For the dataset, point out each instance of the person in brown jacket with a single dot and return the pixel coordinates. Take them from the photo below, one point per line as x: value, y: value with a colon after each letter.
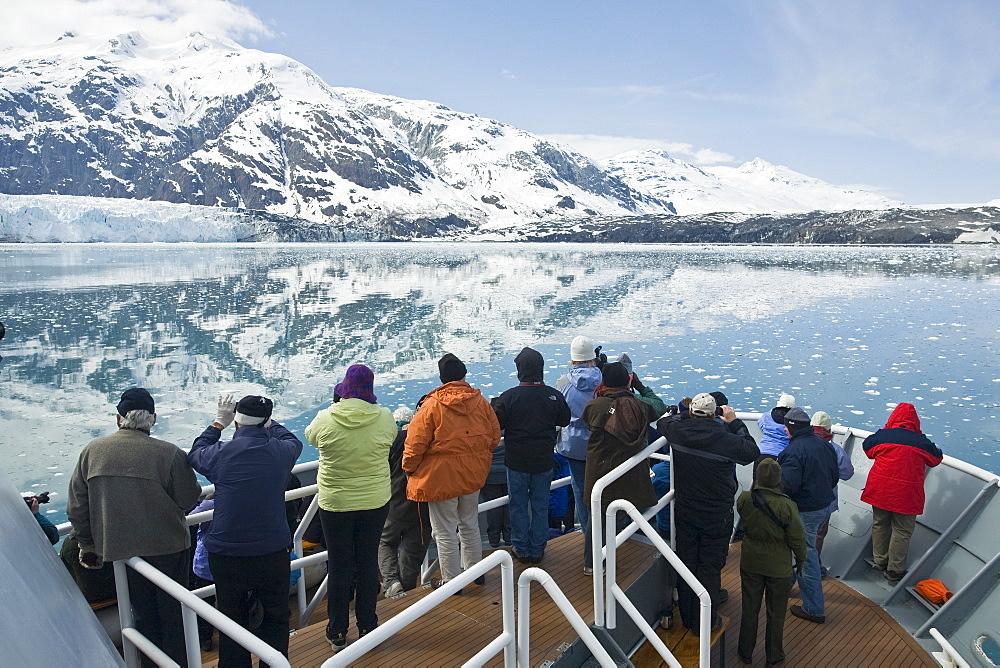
x: 447, y: 455
x: 618, y: 423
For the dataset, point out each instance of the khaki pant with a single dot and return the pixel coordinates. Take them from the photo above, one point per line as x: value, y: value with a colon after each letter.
x: 891, y: 538
x: 455, y: 522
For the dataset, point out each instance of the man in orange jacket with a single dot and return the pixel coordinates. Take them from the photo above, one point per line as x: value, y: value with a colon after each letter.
x: 447, y: 456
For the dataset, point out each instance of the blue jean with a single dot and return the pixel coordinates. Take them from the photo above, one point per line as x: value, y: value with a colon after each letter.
x: 529, y: 527
x: 661, y: 485
x: 811, y: 581
x: 578, y: 471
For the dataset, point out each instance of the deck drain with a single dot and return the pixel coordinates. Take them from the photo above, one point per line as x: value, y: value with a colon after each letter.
x: 989, y: 648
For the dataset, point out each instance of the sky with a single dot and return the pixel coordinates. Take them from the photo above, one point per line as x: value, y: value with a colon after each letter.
x: 900, y: 97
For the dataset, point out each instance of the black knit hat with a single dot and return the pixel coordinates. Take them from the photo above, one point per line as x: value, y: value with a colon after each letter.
x: 255, y: 406
x: 136, y: 399
x: 720, y: 399
x: 451, y: 368
x: 615, y: 375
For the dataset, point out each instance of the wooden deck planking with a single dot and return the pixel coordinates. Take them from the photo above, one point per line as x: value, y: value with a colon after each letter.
x: 857, y: 632
x: 461, y: 626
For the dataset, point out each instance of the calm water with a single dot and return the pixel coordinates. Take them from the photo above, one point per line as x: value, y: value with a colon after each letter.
x: 851, y: 331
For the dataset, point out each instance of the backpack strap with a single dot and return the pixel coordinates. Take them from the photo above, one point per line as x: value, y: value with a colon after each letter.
x: 760, y: 503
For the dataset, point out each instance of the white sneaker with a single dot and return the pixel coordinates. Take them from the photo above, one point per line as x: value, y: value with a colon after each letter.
x: 394, y: 589
x: 588, y: 571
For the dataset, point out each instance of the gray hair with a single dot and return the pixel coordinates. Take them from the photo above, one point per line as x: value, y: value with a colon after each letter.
x: 138, y: 419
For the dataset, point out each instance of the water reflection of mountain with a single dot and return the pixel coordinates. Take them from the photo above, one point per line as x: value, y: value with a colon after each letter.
x: 86, y: 321
x: 270, y: 315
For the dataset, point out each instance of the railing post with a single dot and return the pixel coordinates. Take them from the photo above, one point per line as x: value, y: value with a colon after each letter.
x: 300, y: 585
x: 191, y: 645
x: 125, y: 613
x: 705, y: 601
x: 611, y: 527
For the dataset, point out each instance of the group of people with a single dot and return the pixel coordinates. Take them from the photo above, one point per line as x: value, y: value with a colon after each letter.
x: 388, y: 482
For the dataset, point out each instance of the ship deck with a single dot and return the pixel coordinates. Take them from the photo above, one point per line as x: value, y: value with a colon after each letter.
x: 857, y: 631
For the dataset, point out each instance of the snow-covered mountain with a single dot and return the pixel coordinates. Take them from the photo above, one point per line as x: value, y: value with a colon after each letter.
x: 754, y: 187
x: 205, y: 121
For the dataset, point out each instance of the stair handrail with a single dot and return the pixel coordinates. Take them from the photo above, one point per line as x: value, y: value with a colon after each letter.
x: 948, y: 653
x: 615, y: 593
x: 542, y: 577
x: 596, y: 519
x: 506, y: 641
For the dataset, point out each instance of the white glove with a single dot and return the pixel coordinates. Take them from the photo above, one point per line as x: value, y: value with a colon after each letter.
x: 226, y: 411
x: 90, y: 559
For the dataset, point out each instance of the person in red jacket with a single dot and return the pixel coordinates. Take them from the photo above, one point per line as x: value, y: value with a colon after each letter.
x: 895, y: 487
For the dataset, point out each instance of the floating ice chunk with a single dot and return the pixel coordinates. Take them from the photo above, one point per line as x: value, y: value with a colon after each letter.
x: 874, y: 393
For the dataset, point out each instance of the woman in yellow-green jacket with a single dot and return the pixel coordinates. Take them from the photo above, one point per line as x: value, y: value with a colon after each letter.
x: 353, y: 437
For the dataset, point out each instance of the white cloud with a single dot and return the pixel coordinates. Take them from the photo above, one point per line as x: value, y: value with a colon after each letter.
x: 507, y: 74
x: 922, y: 73
x: 32, y: 22
x: 599, y: 147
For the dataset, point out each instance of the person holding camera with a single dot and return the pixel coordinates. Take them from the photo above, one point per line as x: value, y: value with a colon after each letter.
x: 127, y: 498
x: 704, y: 451
x: 51, y: 532
x: 578, y: 388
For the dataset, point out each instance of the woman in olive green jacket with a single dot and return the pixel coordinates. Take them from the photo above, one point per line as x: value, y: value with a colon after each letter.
x: 773, y: 534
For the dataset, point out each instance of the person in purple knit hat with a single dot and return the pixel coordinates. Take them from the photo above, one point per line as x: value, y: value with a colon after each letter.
x: 353, y: 437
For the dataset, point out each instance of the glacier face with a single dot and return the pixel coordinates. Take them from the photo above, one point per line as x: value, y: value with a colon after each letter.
x: 205, y: 121
x: 754, y: 187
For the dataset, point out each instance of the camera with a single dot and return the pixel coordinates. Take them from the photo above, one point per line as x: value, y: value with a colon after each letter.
x: 29, y: 497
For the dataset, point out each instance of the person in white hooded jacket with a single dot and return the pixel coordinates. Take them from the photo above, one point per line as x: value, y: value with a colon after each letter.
x: 578, y: 387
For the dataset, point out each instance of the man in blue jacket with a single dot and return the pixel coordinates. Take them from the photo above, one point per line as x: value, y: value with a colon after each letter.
x: 809, y: 473
x: 249, y: 539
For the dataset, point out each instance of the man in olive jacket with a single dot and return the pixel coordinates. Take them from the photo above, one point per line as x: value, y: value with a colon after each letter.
x: 773, y: 533
x: 127, y: 498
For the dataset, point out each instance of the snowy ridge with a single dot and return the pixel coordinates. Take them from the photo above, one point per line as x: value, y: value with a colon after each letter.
x: 205, y: 121
x: 754, y: 187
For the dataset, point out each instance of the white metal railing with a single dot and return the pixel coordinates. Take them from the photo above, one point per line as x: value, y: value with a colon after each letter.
x: 191, y: 607
x: 615, y: 593
x: 506, y: 641
x: 948, y: 657
x: 428, y: 566
x: 540, y: 576
x: 597, y: 520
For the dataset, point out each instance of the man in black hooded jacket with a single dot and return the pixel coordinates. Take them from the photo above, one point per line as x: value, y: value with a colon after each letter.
x: 529, y: 416
x: 704, y: 451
